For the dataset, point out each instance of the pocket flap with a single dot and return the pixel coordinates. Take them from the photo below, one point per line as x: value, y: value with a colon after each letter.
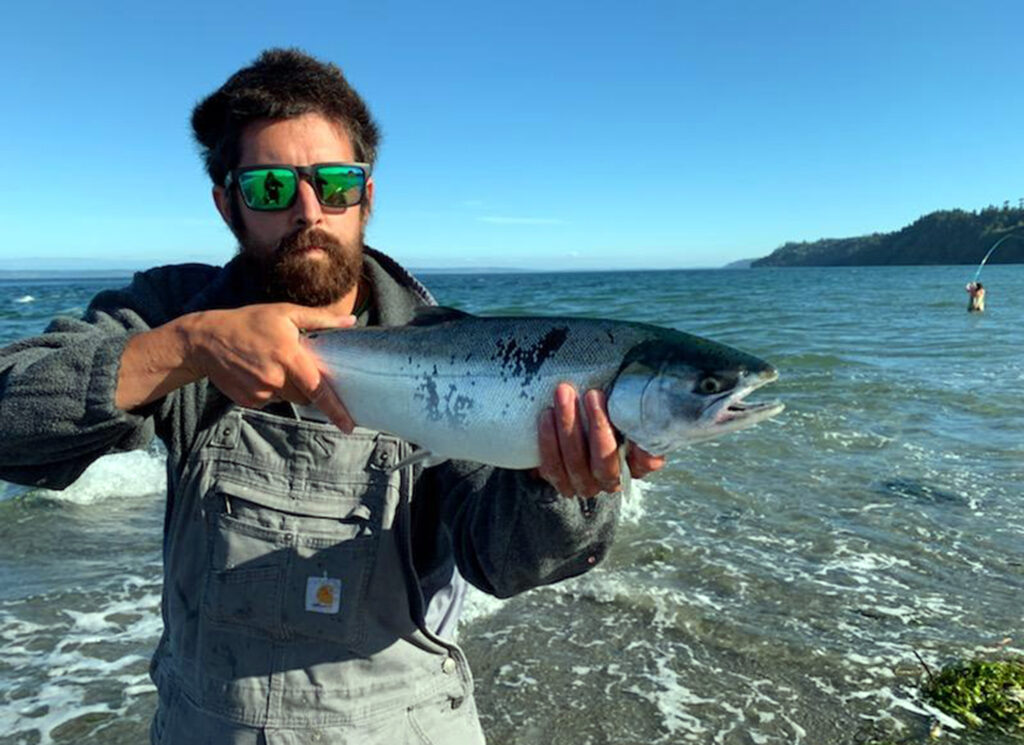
x: 340, y: 505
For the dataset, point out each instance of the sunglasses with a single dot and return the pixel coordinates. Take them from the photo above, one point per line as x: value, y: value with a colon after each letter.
x: 272, y: 187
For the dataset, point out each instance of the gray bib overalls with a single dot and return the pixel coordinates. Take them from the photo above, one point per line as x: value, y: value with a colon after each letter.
x: 290, y: 601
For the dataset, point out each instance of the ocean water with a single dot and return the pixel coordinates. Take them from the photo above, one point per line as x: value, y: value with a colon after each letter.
x: 775, y: 586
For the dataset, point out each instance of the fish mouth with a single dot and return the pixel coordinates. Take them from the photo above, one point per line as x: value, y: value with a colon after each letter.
x: 730, y: 411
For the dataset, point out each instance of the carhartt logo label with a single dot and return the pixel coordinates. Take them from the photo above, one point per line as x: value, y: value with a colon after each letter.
x: 323, y: 594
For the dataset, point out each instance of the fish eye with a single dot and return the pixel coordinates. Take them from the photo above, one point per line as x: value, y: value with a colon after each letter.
x: 709, y: 385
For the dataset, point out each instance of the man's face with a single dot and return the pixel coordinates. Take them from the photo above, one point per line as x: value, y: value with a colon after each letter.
x: 308, y: 254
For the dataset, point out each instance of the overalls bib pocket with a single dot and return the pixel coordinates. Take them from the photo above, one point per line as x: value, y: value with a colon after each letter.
x: 291, y: 565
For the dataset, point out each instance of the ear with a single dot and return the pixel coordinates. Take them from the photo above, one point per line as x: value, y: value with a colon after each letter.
x: 220, y: 199
x: 367, y: 204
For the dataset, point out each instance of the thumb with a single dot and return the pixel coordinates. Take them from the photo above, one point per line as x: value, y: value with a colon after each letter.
x: 313, y: 319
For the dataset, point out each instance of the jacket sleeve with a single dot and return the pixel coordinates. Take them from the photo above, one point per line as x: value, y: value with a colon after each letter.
x: 57, y: 411
x: 511, y: 531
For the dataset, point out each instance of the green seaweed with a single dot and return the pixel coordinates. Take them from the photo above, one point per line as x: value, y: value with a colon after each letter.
x: 981, y: 693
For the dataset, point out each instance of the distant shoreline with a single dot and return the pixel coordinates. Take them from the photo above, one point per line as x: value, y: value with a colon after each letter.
x: 66, y: 273
x: 945, y: 237
x: 24, y: 274
x: 19, y: 275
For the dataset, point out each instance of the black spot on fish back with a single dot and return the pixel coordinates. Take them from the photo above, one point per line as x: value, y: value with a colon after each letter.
x: 427, y: 392
x: 526, y: 362
x: 452, y: 407
x: 457, y: 406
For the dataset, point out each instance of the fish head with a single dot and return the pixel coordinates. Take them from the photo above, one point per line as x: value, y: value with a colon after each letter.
x: 672, y: 392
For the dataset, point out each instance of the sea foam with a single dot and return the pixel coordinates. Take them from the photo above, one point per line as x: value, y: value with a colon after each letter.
x: 120, y: 475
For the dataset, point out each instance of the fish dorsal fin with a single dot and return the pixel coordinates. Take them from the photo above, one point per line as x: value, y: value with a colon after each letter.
x: 431, y: 315
x: 425, y: 457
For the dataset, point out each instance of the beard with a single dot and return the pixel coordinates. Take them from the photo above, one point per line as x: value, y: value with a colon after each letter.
x: 289, y: 275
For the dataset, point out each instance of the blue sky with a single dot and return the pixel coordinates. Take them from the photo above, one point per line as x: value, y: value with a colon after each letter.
x: 542, y: 135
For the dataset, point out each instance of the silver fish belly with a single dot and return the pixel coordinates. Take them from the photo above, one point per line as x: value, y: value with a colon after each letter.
x: 473, y: 388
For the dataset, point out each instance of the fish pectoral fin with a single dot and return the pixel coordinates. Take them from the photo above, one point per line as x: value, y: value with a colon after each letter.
x: 625, y: 477
x: 425, y: 457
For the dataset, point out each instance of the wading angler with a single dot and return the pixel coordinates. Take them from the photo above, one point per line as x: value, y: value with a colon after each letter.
x: 312, y: 590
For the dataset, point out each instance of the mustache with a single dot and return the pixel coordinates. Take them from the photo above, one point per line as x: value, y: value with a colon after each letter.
x: 307, y: 238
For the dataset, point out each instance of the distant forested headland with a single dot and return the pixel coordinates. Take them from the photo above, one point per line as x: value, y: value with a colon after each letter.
x: 944, y: 237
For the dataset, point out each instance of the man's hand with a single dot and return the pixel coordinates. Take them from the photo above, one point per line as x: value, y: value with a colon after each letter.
x: 253, y: 355
x: 580, y: 458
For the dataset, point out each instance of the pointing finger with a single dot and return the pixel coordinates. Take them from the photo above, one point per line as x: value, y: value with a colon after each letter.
x: 311, y: 381
x: 325, y: 399
x: 289, y: 392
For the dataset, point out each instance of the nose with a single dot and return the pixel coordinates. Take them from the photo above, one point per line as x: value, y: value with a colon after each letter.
x: 306, y: 210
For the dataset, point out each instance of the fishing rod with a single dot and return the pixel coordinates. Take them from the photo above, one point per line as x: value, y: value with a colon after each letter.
x: 994, y: 247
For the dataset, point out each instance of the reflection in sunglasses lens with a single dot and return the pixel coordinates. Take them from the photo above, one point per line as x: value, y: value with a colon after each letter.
x: 340, y: 186
x: 267, y: 188
x: 274, y: 188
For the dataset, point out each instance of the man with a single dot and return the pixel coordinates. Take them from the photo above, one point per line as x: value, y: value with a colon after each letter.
x: 272, y: 189
x: 311, y: 592
x: 975, y: 297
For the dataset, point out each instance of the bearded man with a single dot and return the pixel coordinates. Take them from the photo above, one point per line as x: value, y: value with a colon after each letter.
x: 311, y: 592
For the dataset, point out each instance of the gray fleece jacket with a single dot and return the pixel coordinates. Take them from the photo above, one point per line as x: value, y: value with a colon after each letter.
x: 505, y: 530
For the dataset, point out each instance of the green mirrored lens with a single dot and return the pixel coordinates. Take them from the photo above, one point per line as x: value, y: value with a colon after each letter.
x: 267, y: 188
x: 340, y: 186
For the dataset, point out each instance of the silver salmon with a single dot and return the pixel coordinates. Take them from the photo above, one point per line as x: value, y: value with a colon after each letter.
x: 473, y: 387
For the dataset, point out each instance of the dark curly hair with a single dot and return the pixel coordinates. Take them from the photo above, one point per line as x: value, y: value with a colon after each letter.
x: 280, y: 84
